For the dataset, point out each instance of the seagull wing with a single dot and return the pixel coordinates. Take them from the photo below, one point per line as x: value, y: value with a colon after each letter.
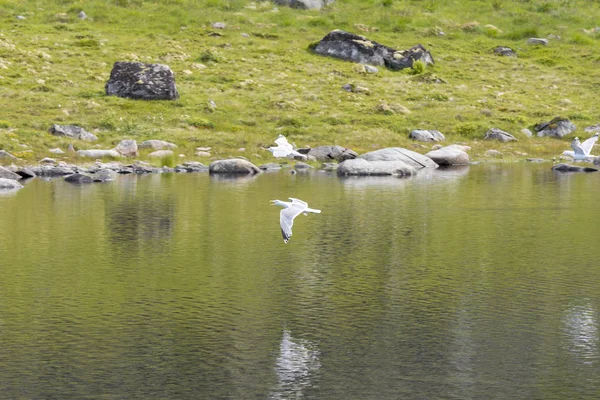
x: 282, y: 142
x: 286, y: 220
x: 587, y: 145
x: 299, y: 202
x: 279, y: 152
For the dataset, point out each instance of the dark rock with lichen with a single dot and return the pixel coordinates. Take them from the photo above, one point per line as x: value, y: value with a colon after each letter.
x: 141, y: 81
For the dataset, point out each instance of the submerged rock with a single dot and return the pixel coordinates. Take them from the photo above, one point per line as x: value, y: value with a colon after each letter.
x: 136, y: 80
x: 104, y: 175
x: 359, y: 49
x: 572, y: 168
x: 233, y: 166
x: 449, y: 156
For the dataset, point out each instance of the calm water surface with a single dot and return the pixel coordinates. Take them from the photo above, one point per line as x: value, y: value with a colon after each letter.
x: 473, y: 283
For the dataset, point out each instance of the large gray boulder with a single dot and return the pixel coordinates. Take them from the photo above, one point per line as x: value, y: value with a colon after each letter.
x: 304, y: 4
x: 360, y: 166
x: 127, y: 148
x: 572, y: 168
x: 329, y: 153
x: 94, y: 153
x: 499, y: 134
x: 8, y: 174
x: 72, y: 131
x: 141, y: 81
x: 49, y: 171
x: 412, y: 158
x: 423, y: 135
x: 155, y: 144
x: 25, y: 172
x: 233, y: 166
x: 449, y: 156
x: 359, y: 49
x: 78, y: 179
x: 558, y: 127
x: 9, y: 184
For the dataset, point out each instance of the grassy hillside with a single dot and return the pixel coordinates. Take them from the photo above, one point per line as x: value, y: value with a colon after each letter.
x: 265, y: 80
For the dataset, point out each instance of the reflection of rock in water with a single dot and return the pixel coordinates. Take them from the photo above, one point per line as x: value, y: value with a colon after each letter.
x: 297, y: 367
x: 581, y: 328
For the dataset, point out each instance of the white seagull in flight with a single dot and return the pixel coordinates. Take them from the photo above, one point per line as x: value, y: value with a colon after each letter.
x: 290, y: 211
x: 284, y: 148
x: 581, y: 151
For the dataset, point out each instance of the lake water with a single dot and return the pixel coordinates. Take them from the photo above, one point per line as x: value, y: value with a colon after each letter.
x: 473, y: 283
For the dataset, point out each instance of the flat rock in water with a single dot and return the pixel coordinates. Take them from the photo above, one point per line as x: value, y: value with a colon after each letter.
x: 9, y: 184
x: 412, y: 158
x: 449, y: 156
x: 78, y: 179
x: 8, y: 174
x: 98, y: 153
x: 141, y: 81
x: 558, y: 127
x: 499, y: 134
x: 359, y: 49
x: 270, y: 167
x: 105, y: 175
x: 362, y: 167
x: 72, y: 131
x: 572, y: 168
x: 329, y: 153
x: 233, y: 166
x: 423, y: 135
x: 155, y: 144
x: 25, y: 173
x: 191, y: 166
x: 49, y: 171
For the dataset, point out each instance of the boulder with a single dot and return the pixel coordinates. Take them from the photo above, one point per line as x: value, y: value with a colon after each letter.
x: 233, y: 166
x: 9, y: 184
x: 304, y: 4
x: 360, y: 166
x: 72, y: 131
x: 558, y: 127
x: 191, y: 166
x: 161, y: 153
x: 359, y: 49
x: 105, y: 175
x: 127, y: 148
x: 498, y: 134
x: 505, y: 51
x: 412, y: 158
x: 572, y: 168
x: 98, y: 153
x: 49, y: 171
x: 25, y: 172
x: 157, y: 145
x: 141, y: 81
x: 78, y: 179
x: 328, y: 153
x: 6, y: 154
x: 449, y: 156
x: 8, y: 174
x: 427, y: 135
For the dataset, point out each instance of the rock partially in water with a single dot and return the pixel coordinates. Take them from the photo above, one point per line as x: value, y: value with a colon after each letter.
x: 233, y: 166
x: 449, y: 156
x: 558, y: 127
x: 49, y: 171
x: 25, y: 172
x: 359, y: 49
x: 78, y: 179
x: 499, y: 134
x: 300, y: 166
x: 191, y: 166
x: 98, y: 153
x: 140, y: 81
x: 105, y: 175
x: 155, y: 144
x: 572, y: 168
x: 8, y: 174
x: 270, y: 167
x: 423, y: 135
x: 412, y: 158
x: 328, y: 153
x: 329, y: 166
x: 9, y: 184
x: 72, y: 131
x: 360, y: 166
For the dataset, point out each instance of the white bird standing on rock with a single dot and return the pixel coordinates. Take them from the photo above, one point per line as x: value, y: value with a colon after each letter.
x: 284, y: 148
x: 581, y: 151
x: 290, y: 211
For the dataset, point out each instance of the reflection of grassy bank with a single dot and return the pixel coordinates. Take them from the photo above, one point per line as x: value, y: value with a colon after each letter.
x: 265, y: 82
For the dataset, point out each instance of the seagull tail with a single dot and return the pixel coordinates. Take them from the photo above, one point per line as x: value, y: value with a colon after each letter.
x: 312, y: 210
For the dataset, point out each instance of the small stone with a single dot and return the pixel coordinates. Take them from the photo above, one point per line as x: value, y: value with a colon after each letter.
x: 20, y: 17
x: 526, y: 132
x: 371, y: 69
x: 82, y: 15
x: 47, y: 160
x: 203, y: 148
x: 241, y: 149
x: 302, y: 166
x: 161, y: 153
x: 202, y: 154
x: 245, y: 35
x: 493, y: 153
x: 56, y: 151
x: 505, y: 51
x: 537, y: 41
x: 219, y: 25
x: 187, y: 72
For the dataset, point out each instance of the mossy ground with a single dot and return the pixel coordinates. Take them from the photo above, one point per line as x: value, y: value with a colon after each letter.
x: 265, y: 80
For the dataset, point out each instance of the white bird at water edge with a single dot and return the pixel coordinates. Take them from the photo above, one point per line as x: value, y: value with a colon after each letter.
x: 284, y: 148
x: 290, y: 211
x: 581, y: 151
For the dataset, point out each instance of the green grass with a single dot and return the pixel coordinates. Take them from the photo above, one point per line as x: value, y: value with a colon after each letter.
x: 53, y: 68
